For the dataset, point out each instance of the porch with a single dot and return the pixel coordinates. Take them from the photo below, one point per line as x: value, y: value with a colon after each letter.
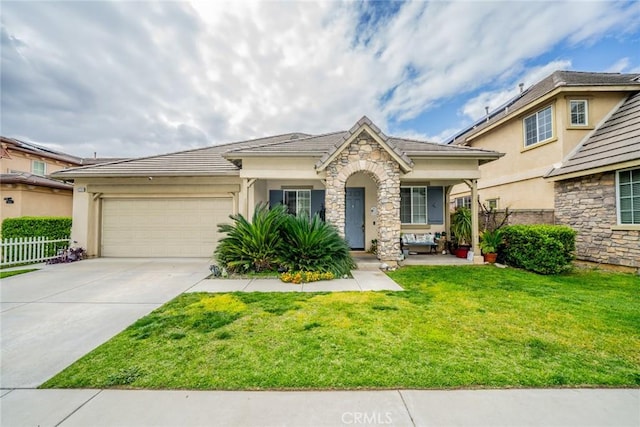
x: 368, y: 261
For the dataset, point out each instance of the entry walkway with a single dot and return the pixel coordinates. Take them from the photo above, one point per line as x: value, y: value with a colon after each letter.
x: 553, y: 407
x: 363, y: 280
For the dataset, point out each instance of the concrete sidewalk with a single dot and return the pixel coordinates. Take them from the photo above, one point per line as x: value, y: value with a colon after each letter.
x: 551, y: 407
x: 363, y: 280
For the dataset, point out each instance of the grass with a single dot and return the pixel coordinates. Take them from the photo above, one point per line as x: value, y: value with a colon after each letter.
x: 5, y: 274
x: 474, y: 326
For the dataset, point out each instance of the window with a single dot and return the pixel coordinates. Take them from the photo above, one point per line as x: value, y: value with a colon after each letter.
x: 463, y: 202
x: 38, y: 168
x: 413, y: 205
x: 298, y: 202
x: 578, y: 111
x: 492, y: 204
x: 629, y: 196
x: 537, y: 127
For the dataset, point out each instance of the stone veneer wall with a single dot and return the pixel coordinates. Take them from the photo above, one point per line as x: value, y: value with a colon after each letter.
x: 588, y: 205
x: 518, y: 216
x: 364, y: 154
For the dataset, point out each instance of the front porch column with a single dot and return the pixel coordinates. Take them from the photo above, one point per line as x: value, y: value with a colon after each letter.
x: 389, y: 221
x: 242, y: 197
x: 246, y: 197
x: 334, y: 202
x: 475, y: 233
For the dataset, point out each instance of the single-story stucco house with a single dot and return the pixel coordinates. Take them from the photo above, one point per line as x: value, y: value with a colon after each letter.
x: 369, y: 185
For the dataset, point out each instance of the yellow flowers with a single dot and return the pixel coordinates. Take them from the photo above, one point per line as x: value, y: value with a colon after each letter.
x: 298, y: 277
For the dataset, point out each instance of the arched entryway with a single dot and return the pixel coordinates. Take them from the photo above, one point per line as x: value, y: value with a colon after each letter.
x: 365, y: 158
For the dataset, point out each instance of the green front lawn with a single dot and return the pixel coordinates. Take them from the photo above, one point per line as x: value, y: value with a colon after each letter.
x: 452, y: 327
x: 9, y: 273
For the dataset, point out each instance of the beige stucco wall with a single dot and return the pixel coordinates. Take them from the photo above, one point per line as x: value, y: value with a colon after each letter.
x: 442, y: 169
x: 34, y: 201
x: 517, y: 178
x: 279, y: 167
x: 21, y: 162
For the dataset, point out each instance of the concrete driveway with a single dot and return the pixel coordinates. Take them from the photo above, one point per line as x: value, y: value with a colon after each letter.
x: 53, y: 316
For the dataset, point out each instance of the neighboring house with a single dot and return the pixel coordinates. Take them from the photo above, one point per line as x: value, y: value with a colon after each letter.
x: 597, y: 189
x: 25, y: 189
x: 369, y: 185
x: 538, y: 130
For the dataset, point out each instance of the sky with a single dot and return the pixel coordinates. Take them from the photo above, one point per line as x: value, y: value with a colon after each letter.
x: 129, y: 79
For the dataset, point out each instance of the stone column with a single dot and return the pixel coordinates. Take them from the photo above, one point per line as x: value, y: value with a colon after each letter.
x: 334, y: 202
x: 389, y: 220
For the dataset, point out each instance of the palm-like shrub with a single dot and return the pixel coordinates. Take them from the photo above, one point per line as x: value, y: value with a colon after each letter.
x: 314, y: 245
x: 252, y: 246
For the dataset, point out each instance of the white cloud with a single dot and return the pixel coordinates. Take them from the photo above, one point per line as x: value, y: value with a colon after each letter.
x: 138, y: 78
x: 619, y: 66
x: 475, y: 107
x: 440, y: 137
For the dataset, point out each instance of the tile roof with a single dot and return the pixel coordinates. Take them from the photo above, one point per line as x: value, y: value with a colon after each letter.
x: 30, y: 179
x: 31, y: 148
x: 304, y: 145
x: 616, y: 141
x: 206, y: 161
x: 555, y: 80
x: 222, y: 159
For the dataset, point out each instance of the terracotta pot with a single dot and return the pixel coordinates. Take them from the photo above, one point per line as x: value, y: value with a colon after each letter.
x: 490, y: 257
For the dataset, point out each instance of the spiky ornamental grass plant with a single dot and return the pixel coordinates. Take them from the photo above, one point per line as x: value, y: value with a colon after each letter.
x: 252, y: 246
x: 314, y: 245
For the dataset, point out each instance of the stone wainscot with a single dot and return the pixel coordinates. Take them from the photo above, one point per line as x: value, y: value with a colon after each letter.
x: 588, y: 205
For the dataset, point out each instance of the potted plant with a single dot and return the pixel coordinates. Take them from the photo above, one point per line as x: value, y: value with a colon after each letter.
x: 461, y: 228
x: 489, y: 243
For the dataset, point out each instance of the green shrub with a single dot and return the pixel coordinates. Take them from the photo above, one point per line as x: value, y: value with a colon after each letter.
x: 314, y: 245
x: 28, y: 226
x: 276, y: 239
x: 543, y: 249
x: 252, y: 246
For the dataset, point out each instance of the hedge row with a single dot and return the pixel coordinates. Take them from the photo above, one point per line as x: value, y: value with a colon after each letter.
x: 544, y: 249
x: 28, y: 226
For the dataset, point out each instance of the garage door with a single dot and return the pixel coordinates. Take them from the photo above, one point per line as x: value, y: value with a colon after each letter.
x: 162, y: 227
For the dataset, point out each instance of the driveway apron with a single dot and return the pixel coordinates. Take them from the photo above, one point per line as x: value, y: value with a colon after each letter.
x: 53, y: 316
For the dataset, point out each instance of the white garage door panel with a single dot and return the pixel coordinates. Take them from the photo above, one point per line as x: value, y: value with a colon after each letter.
x: 162, y: 227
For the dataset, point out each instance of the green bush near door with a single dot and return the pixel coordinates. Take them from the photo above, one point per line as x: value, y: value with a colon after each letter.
x: 276, y: 240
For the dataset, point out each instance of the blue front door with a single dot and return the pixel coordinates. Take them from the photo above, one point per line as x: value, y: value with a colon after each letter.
x: 354, y: 218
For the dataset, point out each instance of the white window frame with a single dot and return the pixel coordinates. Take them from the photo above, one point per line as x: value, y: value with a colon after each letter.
x: 463, y: 202
x: 495, y: 200
x: 634, y: 220
x: 38, y: 162
x: 537, y: 115
x: 298, y: 199
x: 586, y: 112
x: 426, y: 210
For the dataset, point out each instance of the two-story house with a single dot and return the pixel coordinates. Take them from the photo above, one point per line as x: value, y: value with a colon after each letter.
x: 536, y: 131
x: 25, y: 189
x: 597, y: 190
x: 544, y: 130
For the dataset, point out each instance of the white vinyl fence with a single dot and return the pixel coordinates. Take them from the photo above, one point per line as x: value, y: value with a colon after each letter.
x: 23, y: 250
